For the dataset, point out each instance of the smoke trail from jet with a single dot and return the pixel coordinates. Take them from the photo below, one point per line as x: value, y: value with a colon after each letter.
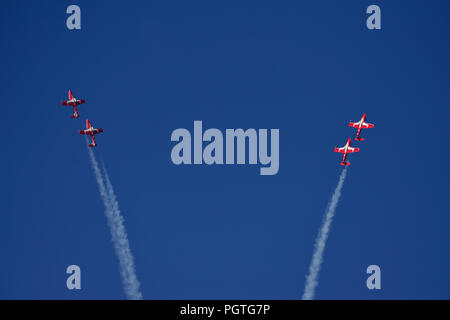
x: 321, y: 240
x: 127, y: 268
x: 118, y: 232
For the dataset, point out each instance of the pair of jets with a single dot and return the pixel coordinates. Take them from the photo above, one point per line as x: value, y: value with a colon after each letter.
x: 90, y: 130
x: 361, y: 124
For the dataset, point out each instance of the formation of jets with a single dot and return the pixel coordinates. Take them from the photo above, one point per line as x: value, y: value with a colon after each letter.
x: 361, y: 124
x: 90, y: 130
x: 346, y: 149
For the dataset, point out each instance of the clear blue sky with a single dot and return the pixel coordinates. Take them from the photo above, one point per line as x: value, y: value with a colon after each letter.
x: 146, y: 68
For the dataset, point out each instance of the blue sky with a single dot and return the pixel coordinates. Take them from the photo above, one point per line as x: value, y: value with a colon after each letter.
x: 226, y: 232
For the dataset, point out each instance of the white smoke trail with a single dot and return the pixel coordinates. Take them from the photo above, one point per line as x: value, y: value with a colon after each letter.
x: 127, y: 268
x: 118, y: 232
x: 321, y: 240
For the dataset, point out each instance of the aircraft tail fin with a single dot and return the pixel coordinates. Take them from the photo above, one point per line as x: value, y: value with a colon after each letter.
x: 93, y: 144
x: 75, y: 113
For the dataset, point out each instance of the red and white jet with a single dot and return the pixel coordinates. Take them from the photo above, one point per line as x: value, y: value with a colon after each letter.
x: 90, y: 130
x: 346, y: 150
x: 74, y: 102
x: 360, y: 125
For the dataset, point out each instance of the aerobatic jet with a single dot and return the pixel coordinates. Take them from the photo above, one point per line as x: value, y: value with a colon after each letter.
x: 74, y: 102
x: 90, y: 130
x: 346, y: 150
x: 360, y: 125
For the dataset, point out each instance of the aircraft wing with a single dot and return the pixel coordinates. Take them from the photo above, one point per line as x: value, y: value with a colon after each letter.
x: 349, y: 150
x: 341, y: 150
x: 366, y: 125
x: 99, y: 130
x: 67, y: 103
